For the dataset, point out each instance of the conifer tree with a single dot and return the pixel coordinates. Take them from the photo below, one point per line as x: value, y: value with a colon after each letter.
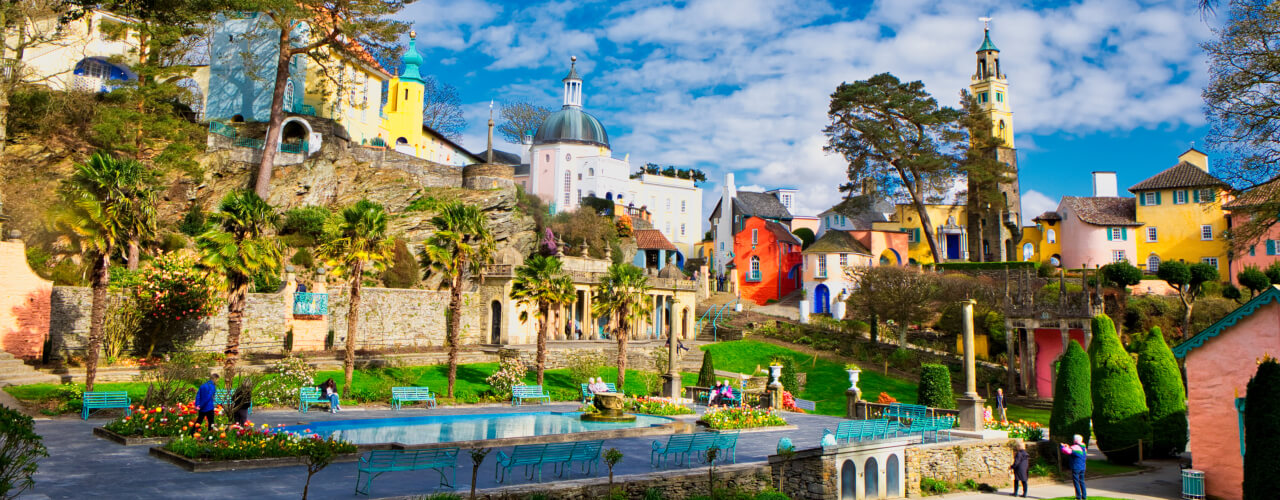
x: 934, y: 390
x: 707, y: 374
x: 1119, y: 406
x: 1072, y: 403
x: 1262, y: 432
x: 1166, y: 399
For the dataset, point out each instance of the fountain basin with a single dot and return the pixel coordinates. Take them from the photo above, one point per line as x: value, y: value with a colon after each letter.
x: 609, y: 407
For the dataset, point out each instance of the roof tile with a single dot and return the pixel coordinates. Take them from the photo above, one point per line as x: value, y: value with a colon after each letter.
x: 652, y: 239
x: 1104, y: 210
x: 1182, y: 175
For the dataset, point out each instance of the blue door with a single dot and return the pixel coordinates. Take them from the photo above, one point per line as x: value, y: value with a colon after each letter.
x: 953, y: 246
x: 820, y: 298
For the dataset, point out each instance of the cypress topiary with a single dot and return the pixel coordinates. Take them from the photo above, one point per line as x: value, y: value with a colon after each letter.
x: 707, y: 374
x: 1119, y: 406
x: 935, y: 387
x: 1166, y: 400
x: 1072, y: 403
x: 1262, y: 432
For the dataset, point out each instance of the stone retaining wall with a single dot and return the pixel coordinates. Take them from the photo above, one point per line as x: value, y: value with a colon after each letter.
x: 672, y: 483
x: 985, y: 461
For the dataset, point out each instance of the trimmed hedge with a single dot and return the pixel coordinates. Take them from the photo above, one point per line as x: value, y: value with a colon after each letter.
x: 1120, y: 417
x: 934, y: 390
x: 1166, y: 399
x: 977, y: 266
x: 707, y: 374
x: 1072, y: 402
x: 1262, y: 432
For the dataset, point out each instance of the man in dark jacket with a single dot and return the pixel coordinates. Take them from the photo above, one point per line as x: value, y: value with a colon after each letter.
x: 205, y: 403
x: 241, y: 401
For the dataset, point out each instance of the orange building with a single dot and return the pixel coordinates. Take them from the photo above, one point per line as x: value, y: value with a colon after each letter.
x: 766, y: 260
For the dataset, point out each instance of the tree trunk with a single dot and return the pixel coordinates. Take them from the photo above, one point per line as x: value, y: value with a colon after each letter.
x: 455, y: 322
x: 262, y: 185
x: 97, y: 316
x: 624, y: 330
x: 353, y: 326
x: 235, y: 319
x: 902, y: 335
x: 543, y: 331
x: 926, y: 225
x: 1188, y: 305
x: 133, y: 255
x: 4, y: 112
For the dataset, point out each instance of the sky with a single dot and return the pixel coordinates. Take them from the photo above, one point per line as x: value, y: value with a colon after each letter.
x: 744, y: 86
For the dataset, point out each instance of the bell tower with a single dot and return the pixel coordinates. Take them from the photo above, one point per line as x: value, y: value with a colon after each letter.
x: 994, y: 213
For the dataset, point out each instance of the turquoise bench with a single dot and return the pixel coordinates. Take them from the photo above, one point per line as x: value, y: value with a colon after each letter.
x: 379, y: 462
x: 863, y: 430
x: 105, y: 400
x: 704, y: 398
x: 560, y: 455
x: 587, y: 395
x: 727, y: 442
x: 223, y: 397
x: 677, y: 447
x: 405, y: 394
x: 308, y: 396
x: 931, y: 426
x: 902, y: 411
x: 684, y: 448
x: 520, y: 393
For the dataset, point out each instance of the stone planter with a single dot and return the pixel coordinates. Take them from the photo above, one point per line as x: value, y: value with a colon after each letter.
x: 194, y: 465
x: 804, y: 312
x: 853, y: 379
x: 103, y: 433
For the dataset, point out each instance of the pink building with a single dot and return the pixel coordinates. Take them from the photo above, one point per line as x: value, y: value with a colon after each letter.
x: 1103, y: 228
x: 1219, y: 363
x: 1264, y: 250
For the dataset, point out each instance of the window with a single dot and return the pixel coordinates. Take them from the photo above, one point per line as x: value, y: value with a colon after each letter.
x: 567, y: 179
x: 682, y: 205
x: 1206, y: 232
x: 844, y: 260
x: 1213, y: 261
x: 579, y: 176
x: 1051, y: 236
x: 591, y: 172
x: 911, y: 234
x: 1204, y: 195
x: 579, y: 194
x: 668, y: 204
x: 1179, y: 197
x: 722, y: 245
x: 1116, y: 234
x: 1149, y: 198
x: 1151, y: 235
x: 753, y: 272
x: 999, y: 96
x: 1153, y: 263
x: 822, y: 266
x: 1118, y: 256
x: 682, y: 230
x: 755, y: 236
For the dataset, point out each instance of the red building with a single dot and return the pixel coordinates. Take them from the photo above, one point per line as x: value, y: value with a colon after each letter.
x: 766, y: 260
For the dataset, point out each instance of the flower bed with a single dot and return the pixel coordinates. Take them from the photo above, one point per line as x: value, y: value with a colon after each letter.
x: 240, y: 443
x: 1022, y: 429
x: 789, y: 403
x: 647, y: 406
x: 741, y: 418
x: 158, y: 421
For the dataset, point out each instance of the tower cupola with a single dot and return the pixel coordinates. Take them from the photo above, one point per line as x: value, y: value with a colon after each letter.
x: 411, y: 60
x: 573, y: 85
x: 988, y: 59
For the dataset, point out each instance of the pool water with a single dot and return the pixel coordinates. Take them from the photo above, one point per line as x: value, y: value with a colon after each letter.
x: 452, y: 428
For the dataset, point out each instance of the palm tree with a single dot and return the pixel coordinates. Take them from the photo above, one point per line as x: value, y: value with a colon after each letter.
x: 623, y: 296
x: 462, y: 244
x: 104, y: 202
x: 238, y: 246
x: 361, y: 238
x: 542, y: 283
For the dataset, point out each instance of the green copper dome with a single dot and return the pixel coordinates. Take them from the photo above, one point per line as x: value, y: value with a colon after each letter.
x: 986, y: 42
x: 572, y: 125
x: 411, y: 60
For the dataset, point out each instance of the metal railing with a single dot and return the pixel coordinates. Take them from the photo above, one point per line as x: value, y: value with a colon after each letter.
x: 305, y: 109
x: 249, y: 142
x: 753, y: 276
x: 310, y: 304
x: 222, y: 129
x: 297, y: 147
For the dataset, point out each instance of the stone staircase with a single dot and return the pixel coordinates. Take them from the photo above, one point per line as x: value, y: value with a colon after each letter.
x: 15, y: 372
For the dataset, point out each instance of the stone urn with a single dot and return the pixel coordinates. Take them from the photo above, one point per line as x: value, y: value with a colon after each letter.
x: 609, y: 407
x: 775, y: 375
x: 853, y: 379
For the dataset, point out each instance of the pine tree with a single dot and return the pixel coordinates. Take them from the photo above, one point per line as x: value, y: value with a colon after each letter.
x: 1072, y: 403
x: 934, y: 390
x: 1120, y: 417
x: 1166, y: 399
x: 707, y: 374
x: 1262, y: 432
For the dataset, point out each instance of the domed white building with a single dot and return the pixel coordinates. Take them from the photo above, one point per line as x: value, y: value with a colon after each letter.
x: 568, y: 158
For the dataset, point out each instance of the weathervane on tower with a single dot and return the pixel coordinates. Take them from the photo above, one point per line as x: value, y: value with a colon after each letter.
x: 986, y: 23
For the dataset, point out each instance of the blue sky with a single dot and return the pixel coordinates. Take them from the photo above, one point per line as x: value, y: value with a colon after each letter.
x: 743, y: 85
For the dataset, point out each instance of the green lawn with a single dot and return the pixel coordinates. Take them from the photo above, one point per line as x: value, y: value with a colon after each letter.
x: 1015, y: 413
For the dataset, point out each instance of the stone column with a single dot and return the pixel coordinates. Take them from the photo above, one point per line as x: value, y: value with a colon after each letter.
x: 1088, y: 334
x: 970, y: 404
x: 672, y: 380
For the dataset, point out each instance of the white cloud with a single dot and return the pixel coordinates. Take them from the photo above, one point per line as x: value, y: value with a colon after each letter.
x: 1035, y: 203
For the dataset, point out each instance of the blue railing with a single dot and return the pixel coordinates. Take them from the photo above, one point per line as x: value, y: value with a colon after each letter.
x: 222, y: 129
x: 305, y: 109
x: 753, y: 275
x: 715, y: 323
x: 300, y: 147
x: 310, y: 304
x: 249, y: 142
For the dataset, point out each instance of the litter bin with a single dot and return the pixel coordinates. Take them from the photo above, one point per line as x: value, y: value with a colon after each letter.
x: 1192, y: 484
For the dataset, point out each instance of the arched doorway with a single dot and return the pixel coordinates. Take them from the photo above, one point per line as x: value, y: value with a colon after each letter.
x: 821, y: 299
x: 1055, y: 260
x: 1028, y: 250
x: 890, y: 257
x: 872, y: 480
x: 684, y: 324
x: 848, y: 481
x: 892, y: 476
x: 495, y: 322
x: 608, y: 196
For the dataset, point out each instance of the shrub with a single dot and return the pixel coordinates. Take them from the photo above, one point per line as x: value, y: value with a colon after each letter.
x: 935, y: 387
x: 511, y: 372
x: 1262, y: 432
x: 1166, y: 399
x: 20, y: 450
x: 931, y: 486
x: 404, y: 271
x: 900, y: 358
x: 1230, y: 291
x: 1072, y: 402
x: 282, y: 389
x: 173, y: 289
x: 789, y: 378
x: 1253, y: 279
x: 1273, y: 272
x: 658, y: 407
x: 584, y: 364
x: 193, y: 222
x: 267, y: 282
x: 306, y: 221
x: 707, y: 374
x: 1120, y: 417
x: 304, y: 259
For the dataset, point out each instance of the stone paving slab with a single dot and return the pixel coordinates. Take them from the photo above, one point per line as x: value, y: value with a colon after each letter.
x: 83, y: 466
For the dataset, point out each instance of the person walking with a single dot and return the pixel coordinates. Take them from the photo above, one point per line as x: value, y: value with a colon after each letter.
x: 205, y: 402
x: 1076, y: 453
x: 1021, y: 460
x: 241, y: 400
x: 329, y: 389
x: 1000, y: 404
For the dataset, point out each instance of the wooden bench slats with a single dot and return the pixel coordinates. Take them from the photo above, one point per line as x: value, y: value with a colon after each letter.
x: 378, y: 462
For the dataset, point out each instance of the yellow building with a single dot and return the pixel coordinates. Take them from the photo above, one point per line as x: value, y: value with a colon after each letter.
x: 991, y: 88
x: 946, y: 219
x: 1181, y: 208
x: 1041, y: 243
x: 401, y: 125
x: 348, y: 91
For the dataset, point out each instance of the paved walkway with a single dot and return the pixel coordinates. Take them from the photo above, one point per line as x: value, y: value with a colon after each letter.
x: 83, y: 466
x: 1163, y: 482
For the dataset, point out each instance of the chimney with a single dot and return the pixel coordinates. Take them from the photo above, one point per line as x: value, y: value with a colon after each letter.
x: 1104, y: 184
x: 730, y: 190
x: 1195, y: 157
x: 526, y: 148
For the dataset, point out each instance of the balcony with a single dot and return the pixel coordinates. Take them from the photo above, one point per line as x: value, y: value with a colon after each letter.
x: 753, y: 276
x: 1011, y: 219
x: 499, y: 271
x: 310, y: 304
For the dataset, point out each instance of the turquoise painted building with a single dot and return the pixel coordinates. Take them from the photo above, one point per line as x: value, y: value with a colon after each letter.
x: 242, y: 68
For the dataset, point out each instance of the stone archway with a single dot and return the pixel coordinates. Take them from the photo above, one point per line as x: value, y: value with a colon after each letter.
x: 495, y: 322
